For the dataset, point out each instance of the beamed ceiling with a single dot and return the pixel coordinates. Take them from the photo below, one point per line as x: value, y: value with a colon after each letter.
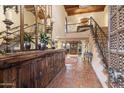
x: 77, y: 9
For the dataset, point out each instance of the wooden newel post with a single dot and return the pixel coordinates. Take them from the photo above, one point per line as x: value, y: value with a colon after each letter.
x: 36, y: 28
x: 45, y: 18
x: 21, y: 27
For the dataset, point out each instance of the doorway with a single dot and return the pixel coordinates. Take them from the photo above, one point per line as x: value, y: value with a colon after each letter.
x: 73, y: 47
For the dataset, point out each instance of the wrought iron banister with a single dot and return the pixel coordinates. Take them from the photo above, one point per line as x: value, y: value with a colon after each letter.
x: 97, y: 32
x: 19, y: 29
x: 77, y: 27
x: 100, y: 39
x: 16, y: 27
x: 92, y: 19
x: 16, y: 39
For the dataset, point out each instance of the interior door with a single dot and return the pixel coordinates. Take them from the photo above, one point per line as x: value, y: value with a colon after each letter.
x: 73, y: 47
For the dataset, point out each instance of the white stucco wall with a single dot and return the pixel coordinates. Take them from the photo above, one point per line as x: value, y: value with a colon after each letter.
x: 59, y: 15
x: 29, y: 18
x: 106, y: 15
x: 2, y: 17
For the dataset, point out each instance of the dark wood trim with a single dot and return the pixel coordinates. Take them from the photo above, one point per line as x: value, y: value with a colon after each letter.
x: 21, y: 27
x: 45, y: 19
x: 31, y: 69
x: 36, y: 28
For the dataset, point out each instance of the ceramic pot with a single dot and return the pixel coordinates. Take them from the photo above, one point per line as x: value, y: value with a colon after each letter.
x: 27, y: 45
x: 42, y: 46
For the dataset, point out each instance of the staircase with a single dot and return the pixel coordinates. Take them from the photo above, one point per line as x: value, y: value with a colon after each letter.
x: 98, y: 41
x: 100, y: 36
x: 98, y: 45
x: 13, y: 38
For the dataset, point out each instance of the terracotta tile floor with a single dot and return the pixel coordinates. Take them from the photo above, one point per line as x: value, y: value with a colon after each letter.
x: 77, y: 74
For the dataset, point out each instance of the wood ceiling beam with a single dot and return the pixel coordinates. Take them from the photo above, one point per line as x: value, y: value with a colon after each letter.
x: 21, y: 27
x: 81, y: 12
x: 87, y: 9
x: 71, y: 6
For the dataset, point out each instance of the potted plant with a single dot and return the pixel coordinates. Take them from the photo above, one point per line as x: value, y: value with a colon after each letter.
x: 2, y: 52
x: 27, y: 41
x: 44, y: 39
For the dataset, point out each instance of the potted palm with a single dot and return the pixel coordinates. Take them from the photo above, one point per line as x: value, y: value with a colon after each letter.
x: 44, y: 39
x: 27, y: 41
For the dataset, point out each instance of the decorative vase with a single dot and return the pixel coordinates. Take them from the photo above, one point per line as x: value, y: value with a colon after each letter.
x: 53, y: 46
x: 27, y: 45
x: 42, y: 46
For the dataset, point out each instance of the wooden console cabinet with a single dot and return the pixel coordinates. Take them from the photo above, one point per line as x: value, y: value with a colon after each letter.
x: 30, y: 69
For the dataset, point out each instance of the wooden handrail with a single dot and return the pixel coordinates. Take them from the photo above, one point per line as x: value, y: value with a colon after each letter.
x: 19, y: 29
x: 12, y: 28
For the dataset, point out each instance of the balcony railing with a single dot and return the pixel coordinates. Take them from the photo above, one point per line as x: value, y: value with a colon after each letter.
x: 77, y: 27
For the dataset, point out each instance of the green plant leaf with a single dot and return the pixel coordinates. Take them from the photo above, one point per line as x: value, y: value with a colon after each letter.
x: 44, y: 38
x: 28, y: 38
x: 2, y: 52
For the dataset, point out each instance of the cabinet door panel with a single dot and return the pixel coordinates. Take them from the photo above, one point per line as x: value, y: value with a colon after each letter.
x: 40, y: 74
x: 24, y: 76
x: 9, y: 78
